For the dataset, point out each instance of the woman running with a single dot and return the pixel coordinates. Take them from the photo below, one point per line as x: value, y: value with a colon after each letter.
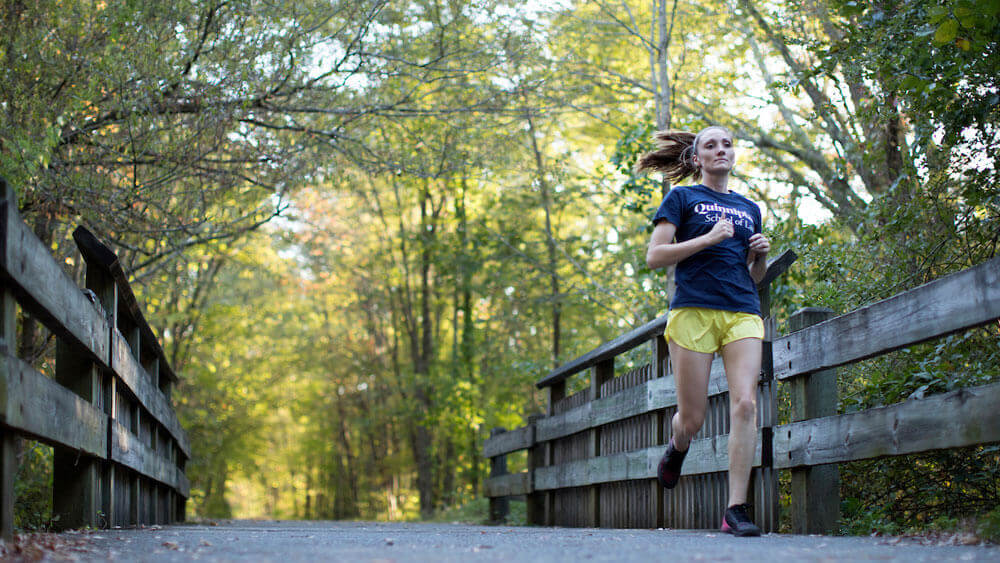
x: 714, y: 237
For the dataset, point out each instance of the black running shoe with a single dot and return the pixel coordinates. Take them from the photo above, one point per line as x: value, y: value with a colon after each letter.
x: 737, y: 523
x: 669, y: 470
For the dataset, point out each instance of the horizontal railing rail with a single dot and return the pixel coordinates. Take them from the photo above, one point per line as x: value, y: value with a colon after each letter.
x: 119, y: 449
x: 957, y: 302
x: 810, y: 446
x: 960, y: 418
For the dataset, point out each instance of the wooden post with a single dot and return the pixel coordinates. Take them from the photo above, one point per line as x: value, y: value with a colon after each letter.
x: 557, y: 392
x: 764, y: 481
x: 106, y: 290
x: 499, y: 506
x: 599, y: 374
x: 76, y: 490
x: 8, y: 440
x: 76, y: 480
x: 534, y: 502
x: 659, y: 357
x: 815, y: 502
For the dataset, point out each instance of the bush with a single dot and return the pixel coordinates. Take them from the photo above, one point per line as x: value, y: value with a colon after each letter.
x: 33, y: 488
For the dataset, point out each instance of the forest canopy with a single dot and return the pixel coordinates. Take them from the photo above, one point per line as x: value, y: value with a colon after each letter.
x: 365, y: 228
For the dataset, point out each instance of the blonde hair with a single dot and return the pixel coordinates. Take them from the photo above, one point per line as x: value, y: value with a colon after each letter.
x: 673, y: 154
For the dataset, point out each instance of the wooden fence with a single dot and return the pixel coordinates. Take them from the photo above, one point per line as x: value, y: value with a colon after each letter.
x: 119, y: 450
x: 592, y: 458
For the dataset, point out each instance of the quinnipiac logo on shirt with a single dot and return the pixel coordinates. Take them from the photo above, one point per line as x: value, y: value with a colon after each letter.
x: 713, y: 212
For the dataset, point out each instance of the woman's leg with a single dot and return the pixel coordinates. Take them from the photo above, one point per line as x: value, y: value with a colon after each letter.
x: 691, y: 371
x: 742, y: 361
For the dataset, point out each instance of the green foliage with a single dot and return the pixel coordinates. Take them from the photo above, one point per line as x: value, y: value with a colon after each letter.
x: 858, y: 520
x: 919, y: 492
x: 33, y: 488
x: 642, y: 193
x: 988, y: 527
x: 477, y: 512
x: 939, y: 57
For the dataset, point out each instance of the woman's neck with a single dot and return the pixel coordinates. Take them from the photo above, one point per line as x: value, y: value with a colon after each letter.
x: 718, y: 183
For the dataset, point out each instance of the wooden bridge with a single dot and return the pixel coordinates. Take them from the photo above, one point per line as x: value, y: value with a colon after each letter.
x: 104, y: 406
x: 119, y: 450
x: 592, y: 457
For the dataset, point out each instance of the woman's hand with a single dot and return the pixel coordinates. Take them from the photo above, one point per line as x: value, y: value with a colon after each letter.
x: 759, y: 247
x: 721, y: 230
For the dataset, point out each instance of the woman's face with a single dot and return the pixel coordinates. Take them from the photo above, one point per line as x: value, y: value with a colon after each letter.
x: 715, y: 153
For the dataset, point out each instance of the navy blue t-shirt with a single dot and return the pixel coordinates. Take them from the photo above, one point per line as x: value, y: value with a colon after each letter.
x: 716, y: 277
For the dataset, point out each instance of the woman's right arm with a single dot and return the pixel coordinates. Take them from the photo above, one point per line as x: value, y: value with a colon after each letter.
x: 663, y: 251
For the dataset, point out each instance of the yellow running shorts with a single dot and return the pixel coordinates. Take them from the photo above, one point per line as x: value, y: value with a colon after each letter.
x: 708, y: 330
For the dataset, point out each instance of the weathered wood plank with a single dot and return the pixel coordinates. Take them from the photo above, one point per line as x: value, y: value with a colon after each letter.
x: 44, y: 289
x: 650, y: 396
x: 183, y: 487
x: 960, y: 418
x: 8, y: 475
x: 141, y: 385
x: 75, y: 478
x: 8, y: 439
x: 510, y: 441
x: 957, y: 302
x: 623, y: 343
x: 34, y: 404
x: 98, y: 254
x: 128, y: 450
x: 508, y: 485
x: 707, y: 455
x: 776, y: 267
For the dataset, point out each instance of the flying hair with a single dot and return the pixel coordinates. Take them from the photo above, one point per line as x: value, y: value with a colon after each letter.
x: 673, y: 154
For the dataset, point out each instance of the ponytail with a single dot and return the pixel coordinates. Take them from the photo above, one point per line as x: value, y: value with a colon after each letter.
x: 673, y: 154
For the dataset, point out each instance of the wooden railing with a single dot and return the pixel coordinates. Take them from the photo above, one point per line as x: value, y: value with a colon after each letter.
x: 119, y: 451
x: 592, y: 457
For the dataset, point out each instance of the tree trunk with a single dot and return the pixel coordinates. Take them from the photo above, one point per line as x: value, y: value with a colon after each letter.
x: 550, y: 240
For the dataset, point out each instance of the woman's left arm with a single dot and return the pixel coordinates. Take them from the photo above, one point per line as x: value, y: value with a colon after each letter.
x: 757, y: 256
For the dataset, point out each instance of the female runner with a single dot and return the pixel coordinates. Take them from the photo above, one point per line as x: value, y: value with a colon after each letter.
x: 714, y: 237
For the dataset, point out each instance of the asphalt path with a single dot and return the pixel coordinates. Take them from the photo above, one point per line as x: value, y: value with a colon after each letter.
x: 375, y: 542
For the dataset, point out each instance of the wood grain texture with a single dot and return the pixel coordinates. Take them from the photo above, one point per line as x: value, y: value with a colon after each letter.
x: 45, y: 290
x: 510, y: 441
x: 8, y: 475
x: 128, y: 450
x: 776, y: 267
x: 183, y: 487
x: 150, y: 397
x: 957, y: 302
x: 36, y: 405
x: 508, y: 485
x: 652, y: 395
x: 951, y: 420
x: 608, y: 350
x: 707, y: 455
x: 98, y: 254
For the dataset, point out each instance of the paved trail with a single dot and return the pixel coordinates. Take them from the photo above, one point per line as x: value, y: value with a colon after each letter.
x: 288, y: 542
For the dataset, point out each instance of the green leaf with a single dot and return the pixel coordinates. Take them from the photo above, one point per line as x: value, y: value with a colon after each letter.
x: 946, y: 32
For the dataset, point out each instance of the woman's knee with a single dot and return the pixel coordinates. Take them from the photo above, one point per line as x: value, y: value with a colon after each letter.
x: 743, y: 408
x: 691, y: 422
